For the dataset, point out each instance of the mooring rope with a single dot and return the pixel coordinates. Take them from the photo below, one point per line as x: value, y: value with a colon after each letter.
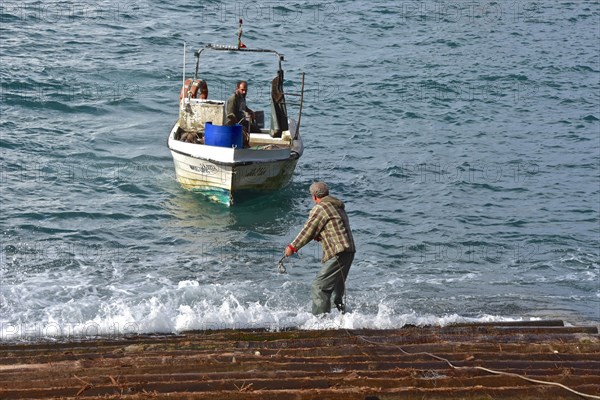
x: 491, y: 371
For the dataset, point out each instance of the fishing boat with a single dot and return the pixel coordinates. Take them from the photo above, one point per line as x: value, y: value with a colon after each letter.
x: 207, y: 151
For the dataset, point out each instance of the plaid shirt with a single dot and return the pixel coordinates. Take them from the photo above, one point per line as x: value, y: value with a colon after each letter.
x: 328, y: 223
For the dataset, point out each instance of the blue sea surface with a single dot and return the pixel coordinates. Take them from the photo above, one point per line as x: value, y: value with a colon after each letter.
x: 464, y: 138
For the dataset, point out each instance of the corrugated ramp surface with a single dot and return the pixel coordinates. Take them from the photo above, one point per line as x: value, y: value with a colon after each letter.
x: 483, y: 361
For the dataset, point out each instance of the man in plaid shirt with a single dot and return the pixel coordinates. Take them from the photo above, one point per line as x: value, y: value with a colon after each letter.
x: 328, y: 224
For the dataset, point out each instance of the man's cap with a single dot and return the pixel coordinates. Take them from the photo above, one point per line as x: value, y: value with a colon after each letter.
x: 319, y: 189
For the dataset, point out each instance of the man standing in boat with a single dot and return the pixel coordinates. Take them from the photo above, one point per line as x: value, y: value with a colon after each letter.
x: 239, y: 113
x: 327, y: 223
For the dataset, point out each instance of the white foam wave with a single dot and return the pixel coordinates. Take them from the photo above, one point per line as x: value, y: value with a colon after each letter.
x: 119, y: 318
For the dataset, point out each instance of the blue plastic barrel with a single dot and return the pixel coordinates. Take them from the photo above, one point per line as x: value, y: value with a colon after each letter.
x: 223, y: 136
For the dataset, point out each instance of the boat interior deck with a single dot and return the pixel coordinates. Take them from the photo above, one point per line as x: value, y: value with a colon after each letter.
x: 195, y: 113
x: 262, y: 141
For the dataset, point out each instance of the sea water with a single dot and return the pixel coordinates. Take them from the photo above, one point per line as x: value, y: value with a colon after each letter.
x: 463, y: 137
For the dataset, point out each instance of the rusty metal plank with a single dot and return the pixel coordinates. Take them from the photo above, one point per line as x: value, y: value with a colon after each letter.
x: 342, y: 364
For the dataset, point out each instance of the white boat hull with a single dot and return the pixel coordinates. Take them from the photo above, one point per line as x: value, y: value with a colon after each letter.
x: 223, y: 173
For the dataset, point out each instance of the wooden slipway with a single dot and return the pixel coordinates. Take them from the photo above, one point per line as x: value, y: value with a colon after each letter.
x: 483, y: 361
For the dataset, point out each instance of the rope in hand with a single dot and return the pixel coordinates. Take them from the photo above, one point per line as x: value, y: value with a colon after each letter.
x: 280, y: 267
x: 491, y: 371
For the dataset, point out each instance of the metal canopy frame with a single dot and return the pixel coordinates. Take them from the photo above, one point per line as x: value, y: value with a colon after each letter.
x: 220, y: 47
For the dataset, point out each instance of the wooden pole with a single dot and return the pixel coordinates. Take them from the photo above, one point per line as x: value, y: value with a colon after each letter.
x: 300, y: 108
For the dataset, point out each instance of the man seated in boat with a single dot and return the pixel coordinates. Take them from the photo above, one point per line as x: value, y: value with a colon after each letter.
x: 203, y: 90
x: 239, y: 113
x: 192, y: 136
